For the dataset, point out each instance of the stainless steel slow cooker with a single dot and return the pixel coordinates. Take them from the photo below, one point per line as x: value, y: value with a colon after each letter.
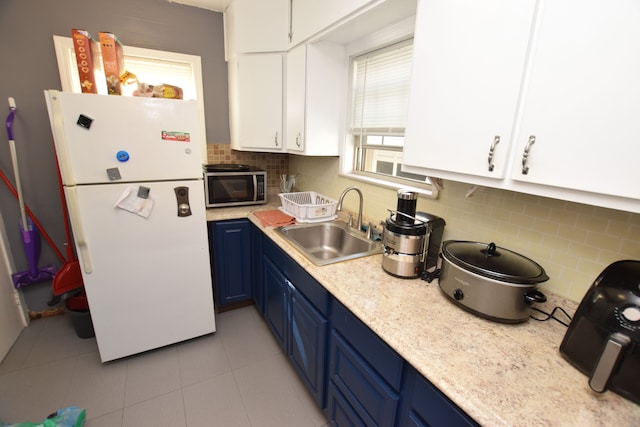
x: 491, y: 281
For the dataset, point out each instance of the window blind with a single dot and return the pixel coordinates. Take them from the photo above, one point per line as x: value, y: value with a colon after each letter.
x: 381, y: 82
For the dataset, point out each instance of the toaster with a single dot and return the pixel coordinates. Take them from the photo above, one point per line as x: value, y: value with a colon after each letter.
x: 603, y: 338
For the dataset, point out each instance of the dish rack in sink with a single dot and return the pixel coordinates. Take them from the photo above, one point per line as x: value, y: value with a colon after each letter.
x: 308, y: 206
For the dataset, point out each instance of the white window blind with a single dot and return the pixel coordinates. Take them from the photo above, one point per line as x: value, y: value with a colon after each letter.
x: 380, y: 84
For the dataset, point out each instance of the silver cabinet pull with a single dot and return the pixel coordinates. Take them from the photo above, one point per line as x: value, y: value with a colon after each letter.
x: 525, y: 155
x: 496, y: 141
x: 298, y: 139
x: 275, y: 139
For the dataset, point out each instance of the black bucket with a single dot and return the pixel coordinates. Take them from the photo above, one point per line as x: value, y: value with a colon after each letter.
x: 78, y: 309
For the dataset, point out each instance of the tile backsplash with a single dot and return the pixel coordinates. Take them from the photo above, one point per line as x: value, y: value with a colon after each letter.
x: 572, y: 241
x: 274, y: 163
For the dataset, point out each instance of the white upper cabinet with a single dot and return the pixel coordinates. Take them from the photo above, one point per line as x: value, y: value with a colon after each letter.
x: 582, y: 104
x: 317, y: 76
x: 309, y: 17
x: 469, y: 59
x: 556, y: 81
x: 256, y: 26
x: 256, y: 102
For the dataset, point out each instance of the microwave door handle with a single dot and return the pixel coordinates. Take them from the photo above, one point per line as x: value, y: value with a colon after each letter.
x: 255, y: 188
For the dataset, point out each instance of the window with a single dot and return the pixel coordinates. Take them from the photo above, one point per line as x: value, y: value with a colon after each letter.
x: 151, y: 66
x: 380, y: 84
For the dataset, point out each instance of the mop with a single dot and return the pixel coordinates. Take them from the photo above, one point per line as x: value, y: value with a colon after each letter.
x: 29, y: 233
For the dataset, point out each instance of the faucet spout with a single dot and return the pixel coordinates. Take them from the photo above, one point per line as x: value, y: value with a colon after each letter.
x: 344, y: 193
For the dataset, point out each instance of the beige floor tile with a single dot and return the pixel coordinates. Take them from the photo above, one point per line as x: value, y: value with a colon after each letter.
x: 202, y: 358
x: 247, y: 338
x: 96, y: 387
x: 269, y: 396
x: 58, y: 340
x: 215, y: 402
x: 192, y: 383
x: 31, y: 394
x: 151, y: 374
x: 114, y: 419
x: 162, y: 411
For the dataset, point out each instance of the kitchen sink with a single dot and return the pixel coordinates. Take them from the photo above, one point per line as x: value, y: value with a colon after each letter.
x: 329, y: 242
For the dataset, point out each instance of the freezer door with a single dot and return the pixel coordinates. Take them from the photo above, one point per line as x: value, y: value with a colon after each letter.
x: 148, y: 280
x: 102, y: 138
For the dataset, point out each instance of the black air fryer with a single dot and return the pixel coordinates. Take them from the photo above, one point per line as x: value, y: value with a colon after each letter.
x: 603, y: 338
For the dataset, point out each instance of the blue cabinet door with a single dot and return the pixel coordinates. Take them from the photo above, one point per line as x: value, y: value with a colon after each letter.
x: 424, y: 405
x: 365, y: 374
x: 308, y: 344
x: 276, y: 305
x: 257, y: 285
x: 231, y: 261
x: 295, y: 311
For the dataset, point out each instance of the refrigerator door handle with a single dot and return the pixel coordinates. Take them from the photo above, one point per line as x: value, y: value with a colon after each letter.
x: 78, y: 232
x: 54, y: 106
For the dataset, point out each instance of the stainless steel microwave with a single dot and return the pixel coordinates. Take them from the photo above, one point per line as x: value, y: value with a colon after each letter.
x: 234, y: 185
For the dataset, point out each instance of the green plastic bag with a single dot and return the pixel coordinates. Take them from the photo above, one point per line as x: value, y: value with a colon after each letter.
x: 66, y: 417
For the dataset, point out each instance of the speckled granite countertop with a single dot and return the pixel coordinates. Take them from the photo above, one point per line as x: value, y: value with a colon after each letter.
x: 501, y: 375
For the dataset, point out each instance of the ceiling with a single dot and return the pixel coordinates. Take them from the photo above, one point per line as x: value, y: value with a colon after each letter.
x: 217, y: 5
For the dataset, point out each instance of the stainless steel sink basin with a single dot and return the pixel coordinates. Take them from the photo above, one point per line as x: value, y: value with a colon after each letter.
x: 329, y: 242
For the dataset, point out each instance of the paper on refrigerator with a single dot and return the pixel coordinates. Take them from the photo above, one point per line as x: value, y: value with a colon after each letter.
x: 131, y: 201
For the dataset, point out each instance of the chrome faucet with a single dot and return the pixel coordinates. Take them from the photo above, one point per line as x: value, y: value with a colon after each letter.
x: 339, y: 207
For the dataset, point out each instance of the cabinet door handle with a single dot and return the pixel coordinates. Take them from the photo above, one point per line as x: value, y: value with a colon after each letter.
x: 275, y: 139
x: 496, y: 141
x: 525, y: 155
x: 298, y: 139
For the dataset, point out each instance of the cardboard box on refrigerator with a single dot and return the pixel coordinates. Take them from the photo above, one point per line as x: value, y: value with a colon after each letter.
x: 89, y: 61
x: 112, y: 60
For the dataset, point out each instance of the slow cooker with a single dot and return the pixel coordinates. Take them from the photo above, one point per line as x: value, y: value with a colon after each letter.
x: 491, y: 281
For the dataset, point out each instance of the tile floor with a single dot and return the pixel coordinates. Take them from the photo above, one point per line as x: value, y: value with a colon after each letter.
x: 237, y: 376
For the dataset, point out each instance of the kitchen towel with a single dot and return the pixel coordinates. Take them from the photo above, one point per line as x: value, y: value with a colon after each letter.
x: 274, y: 218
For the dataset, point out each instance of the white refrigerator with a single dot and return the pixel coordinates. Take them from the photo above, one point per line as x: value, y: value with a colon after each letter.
x: 132, y: 174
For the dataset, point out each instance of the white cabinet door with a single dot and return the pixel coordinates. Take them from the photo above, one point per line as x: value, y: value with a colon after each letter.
x: 317, y: 77
x: 257, y: 102
x: 296, y: 90
x: 469, y: 59
x: 308, y: 17
x: 12, y: 314
x: 256, y: 26
x: 583, y: 99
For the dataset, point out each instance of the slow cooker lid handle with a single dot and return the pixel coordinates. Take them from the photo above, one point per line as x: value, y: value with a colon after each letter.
x: 491, y: 250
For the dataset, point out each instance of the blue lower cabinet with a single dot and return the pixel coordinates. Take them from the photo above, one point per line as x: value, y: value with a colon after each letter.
x: 424, y: 405
x: 365, y: 374
x: 341, y: 412
x: 257, y: 285
x: 370, y: 400
x: 295, y: 310
x: 276, y: 311
x: 308, y: 344
x: 354, y: 376
x: 230, y: 246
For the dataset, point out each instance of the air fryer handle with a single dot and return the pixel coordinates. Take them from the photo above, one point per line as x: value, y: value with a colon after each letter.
x: 611, y: 353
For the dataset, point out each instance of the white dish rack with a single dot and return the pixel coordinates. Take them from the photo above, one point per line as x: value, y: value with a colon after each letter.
x: 308, y: 206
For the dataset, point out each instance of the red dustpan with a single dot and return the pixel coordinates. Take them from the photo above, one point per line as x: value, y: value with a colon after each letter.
x: 69, y: 277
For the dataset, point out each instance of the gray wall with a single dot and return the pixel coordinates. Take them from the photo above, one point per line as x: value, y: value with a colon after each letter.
x: 28, y: 66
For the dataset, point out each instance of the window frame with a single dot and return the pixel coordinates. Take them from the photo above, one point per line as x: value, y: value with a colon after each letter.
x: 380, y: 39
